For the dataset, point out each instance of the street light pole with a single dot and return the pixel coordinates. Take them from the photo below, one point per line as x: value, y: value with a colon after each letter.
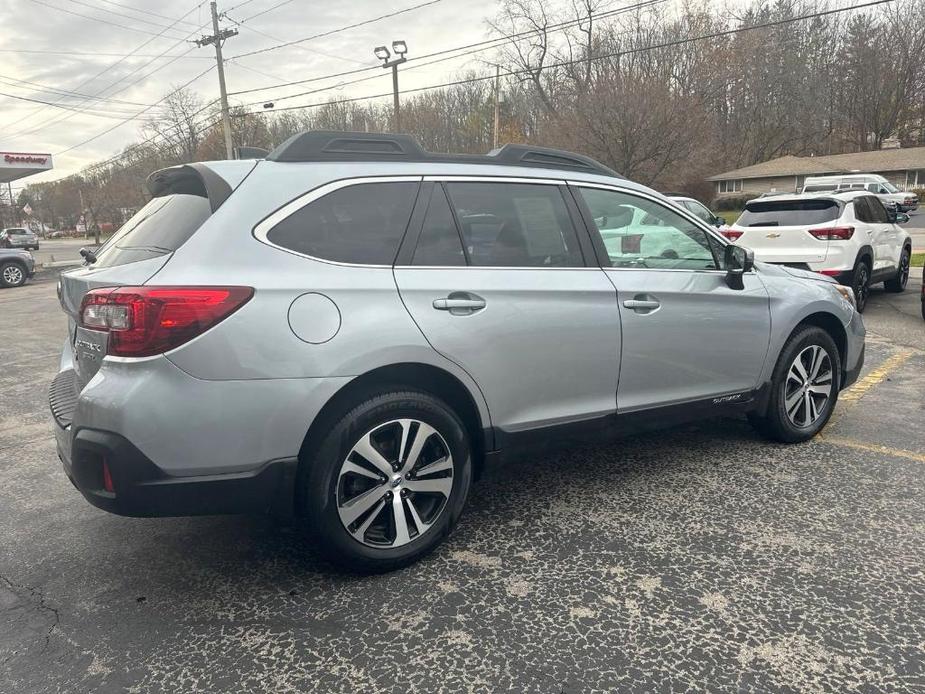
x: 400, y: 48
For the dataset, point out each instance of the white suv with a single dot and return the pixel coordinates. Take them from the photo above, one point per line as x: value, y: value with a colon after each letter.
x: 850, y: 236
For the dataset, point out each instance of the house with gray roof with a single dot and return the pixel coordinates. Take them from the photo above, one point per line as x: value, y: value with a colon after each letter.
x: 904, y: 168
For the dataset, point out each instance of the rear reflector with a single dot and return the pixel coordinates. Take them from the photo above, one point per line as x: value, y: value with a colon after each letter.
x: 731, y: 234
x: 831, y: 273
x: 833, y: 233
x: 107, y: 479
x: 143, y: 321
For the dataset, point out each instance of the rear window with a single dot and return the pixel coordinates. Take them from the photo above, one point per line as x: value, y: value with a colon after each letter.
x: 17, y: 232
x: 787, y: 213
x: 161, y: 226
x: 361, y: 224
x: 819, y: 187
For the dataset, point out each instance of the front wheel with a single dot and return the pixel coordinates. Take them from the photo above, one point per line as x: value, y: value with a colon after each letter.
x: 12, y: 274
x: 804, y: 387
x: 898, y: 283
x: 388, y: 482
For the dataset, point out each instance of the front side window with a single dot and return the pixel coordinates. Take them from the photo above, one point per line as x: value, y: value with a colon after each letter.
x: 862, y: 211
x: 877, y: 211
x: 638, y: 232
x: 699, y: 211
x: 514, y: 225
x: 361, y: 224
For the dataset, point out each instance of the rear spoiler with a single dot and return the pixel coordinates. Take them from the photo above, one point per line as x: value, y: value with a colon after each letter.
x: 190, y: 179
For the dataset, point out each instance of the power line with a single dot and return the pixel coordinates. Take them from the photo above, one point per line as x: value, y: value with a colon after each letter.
x: 64, y: 92
x: 126, y: 16
x: 97, y: 19
x: 141, y: 11
x: 247, y: 27
x: 630, y: 51
x: 263, y: 12
x: 99, y: 113
x: 104, y: 71
x: 141, y: 112
x: 337, y: 30
x: 487, y: 43
x: 89, y: 55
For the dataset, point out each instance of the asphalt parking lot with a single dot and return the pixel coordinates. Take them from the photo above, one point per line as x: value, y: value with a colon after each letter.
x: 701, y: 559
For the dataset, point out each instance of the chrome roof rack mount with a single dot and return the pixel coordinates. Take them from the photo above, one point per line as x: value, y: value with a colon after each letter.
x: 327, y: 145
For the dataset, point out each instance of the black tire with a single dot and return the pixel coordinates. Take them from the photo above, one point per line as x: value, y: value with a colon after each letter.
x: 318, y: 485
x: 898, y: 283
x: 776, y: 424
x: 12, y: 274
x: 860, y: 283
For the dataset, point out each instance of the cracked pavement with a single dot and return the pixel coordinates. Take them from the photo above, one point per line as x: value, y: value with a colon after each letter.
x: 699, y: 559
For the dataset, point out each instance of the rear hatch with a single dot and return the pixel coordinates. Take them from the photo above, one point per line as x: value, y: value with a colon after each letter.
x: 183, y: 198
x: 778, y: 230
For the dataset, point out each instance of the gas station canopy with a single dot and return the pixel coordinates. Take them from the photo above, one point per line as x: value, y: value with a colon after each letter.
x: 15, y: 165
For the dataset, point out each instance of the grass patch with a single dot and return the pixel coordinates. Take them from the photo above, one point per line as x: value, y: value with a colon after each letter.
x: 729, y: 215
x: 918, y: 259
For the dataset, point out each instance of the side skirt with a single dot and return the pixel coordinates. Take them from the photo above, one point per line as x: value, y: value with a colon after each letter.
x: 612, y: 427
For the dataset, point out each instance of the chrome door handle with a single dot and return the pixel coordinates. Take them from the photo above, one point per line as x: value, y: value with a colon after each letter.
x: 459, y: 304
x: 641, y: 305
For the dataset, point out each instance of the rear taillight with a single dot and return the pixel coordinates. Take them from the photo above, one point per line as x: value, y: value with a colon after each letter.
x: 143, y: 321
x: 833, y: 233
x: 731, y: 234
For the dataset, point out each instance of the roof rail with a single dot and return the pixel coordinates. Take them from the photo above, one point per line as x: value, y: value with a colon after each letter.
x: 327, y: 145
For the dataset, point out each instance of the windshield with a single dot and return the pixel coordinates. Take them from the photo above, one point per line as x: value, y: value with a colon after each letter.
x: 788, y: 213
x: 890, y: 188
x: 161, y: 226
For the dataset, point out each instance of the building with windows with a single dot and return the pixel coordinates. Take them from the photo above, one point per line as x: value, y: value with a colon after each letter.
x: 13, y: 166
x: 904, y: 168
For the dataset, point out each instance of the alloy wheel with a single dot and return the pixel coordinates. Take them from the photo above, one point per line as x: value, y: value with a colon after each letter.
x: 12, y: 275
x: 808, y: 386
x: 903, y: 269
x: 395, y: 483
x: 861, y: 286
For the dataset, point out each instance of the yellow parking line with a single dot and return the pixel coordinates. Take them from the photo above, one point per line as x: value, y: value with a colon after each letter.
x: 859, y: 389
x: 872, y: 448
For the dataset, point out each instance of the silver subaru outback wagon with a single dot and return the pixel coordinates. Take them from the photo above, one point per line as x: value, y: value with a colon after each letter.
x: 350, y: 329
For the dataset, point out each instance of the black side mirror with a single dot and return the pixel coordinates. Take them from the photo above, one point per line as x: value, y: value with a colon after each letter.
x: 738, y: 261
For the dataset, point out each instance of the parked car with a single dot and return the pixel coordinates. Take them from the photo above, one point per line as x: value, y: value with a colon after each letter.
x: 849, y: 236
x: 872, y: 183
x: 698, y: 209
x: 352, y: 328
x: 16, y: 266
x: 17, y: 237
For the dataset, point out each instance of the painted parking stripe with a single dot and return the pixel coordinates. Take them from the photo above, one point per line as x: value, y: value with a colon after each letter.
x: 872, y: 448
x: 859, y: 389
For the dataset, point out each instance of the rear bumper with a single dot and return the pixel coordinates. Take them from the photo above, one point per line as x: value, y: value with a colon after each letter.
x: 141, y: 488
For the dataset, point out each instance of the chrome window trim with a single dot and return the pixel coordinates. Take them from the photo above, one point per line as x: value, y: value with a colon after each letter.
x: 266, y: 225
x: 681, y: 211
x: 450, y: 178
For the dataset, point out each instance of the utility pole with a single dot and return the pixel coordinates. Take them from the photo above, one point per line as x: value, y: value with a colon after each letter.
x: 216, y: 39
x: 381, y: 52
x: 495, y: 134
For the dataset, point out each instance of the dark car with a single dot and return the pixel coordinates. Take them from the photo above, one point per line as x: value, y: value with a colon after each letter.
x: 16, y: 267
x: 17, y: 237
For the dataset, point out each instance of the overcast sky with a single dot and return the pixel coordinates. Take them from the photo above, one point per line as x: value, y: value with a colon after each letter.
x: 88, y: 47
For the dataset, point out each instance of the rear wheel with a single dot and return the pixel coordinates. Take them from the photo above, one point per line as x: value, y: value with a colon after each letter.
x: 804, y: 387
x: 12, y: 274
x: 860, y: 283
x: 388, y: 482
x: 898, y: 283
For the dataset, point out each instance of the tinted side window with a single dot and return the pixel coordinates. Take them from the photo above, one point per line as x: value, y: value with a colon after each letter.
x: 515, y: 225
x: 862, y: 212
x: 878, y: 211
x: 638, y: 232
x: 439, y: 243
x: 700, y: 211
x: 360, y: 224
